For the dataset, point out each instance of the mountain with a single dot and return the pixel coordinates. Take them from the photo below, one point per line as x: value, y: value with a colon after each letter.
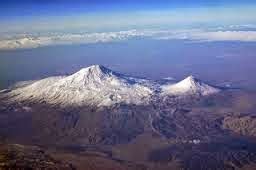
x: 149, y: 131
x: 94, y: 85
x: 99, y: 86
x: 189, y: 86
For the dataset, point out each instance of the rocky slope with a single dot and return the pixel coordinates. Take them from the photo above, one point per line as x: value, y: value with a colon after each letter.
x: 29, y: 157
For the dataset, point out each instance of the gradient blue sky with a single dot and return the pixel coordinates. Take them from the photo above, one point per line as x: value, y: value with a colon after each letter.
x: 102, y: 15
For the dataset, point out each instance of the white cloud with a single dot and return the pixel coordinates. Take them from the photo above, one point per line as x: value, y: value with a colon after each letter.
x: 34, y: 41
x: 199, y: 35
x: 246, y: 36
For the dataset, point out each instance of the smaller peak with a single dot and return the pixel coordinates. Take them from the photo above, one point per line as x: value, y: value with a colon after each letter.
x: 190, y: 85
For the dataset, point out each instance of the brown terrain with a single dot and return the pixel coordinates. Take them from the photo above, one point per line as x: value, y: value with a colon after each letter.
x: 192, y: 133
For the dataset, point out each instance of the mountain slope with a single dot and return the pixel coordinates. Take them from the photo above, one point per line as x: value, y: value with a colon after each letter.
x: 99, y: 86
x: 94, y: 85
x: 189, y: 86
x: 14, y: 156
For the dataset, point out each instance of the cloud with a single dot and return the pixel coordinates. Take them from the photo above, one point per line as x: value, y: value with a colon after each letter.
x: 35, y: 41
x: 245, y: 36
x: 198, y: 35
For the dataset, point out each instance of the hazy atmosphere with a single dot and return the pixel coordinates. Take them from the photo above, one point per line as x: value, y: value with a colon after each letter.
x: 128, y: 84
x: 218, y: 62
x: 147, y: 38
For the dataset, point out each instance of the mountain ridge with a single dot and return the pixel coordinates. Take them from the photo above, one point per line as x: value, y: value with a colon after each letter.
x: 99, y: 86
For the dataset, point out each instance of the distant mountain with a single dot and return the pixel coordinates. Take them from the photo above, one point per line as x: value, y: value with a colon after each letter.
x: 189, y: 86
x: 99, y: 86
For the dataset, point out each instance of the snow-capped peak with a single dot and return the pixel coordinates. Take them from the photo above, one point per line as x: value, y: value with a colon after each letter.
x: 94, y: 85
x: 189, y: 85
x: 190, y: 82
x: 92, y: 74
x: 94, y: 70
x: 99, y: 86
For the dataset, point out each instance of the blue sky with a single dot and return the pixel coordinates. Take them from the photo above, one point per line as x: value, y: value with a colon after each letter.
x: 47, y: 15
x: 17, y: 8
x: 32, y: 24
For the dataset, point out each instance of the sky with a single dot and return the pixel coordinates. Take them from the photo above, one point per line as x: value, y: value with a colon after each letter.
x: 104, y: 15
x: 32, y: 24
x: 181, y: 37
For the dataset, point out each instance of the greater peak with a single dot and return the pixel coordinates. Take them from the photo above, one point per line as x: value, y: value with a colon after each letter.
x: 96, y: 66
x: 191, y: 79
x: 95, y: 69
